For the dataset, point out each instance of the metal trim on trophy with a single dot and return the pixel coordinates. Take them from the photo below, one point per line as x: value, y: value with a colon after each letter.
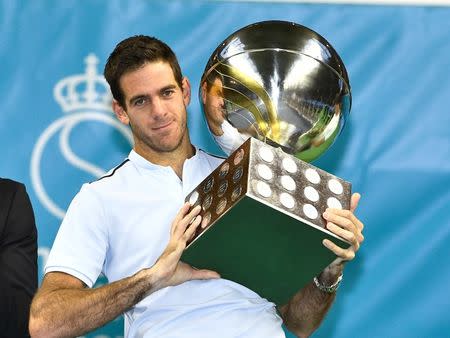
x: 275, y: 96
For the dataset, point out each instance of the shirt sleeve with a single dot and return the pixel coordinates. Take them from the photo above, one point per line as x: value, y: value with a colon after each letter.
x: 231, y: 139
x: 81, y: 244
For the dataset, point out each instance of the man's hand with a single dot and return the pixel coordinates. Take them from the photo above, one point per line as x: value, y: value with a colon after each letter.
x: 306, y: 310
x: 345, y: 224
x: 169, y: 269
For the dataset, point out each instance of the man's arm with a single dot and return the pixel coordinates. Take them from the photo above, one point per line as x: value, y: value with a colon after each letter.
x: 64, y: 307
x: 305, y: 311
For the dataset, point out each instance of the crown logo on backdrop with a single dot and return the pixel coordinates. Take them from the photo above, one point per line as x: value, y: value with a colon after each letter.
x: 84, y: 91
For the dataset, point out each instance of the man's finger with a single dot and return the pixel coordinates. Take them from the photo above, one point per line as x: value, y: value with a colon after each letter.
x: 345, y: 254
x: 346, y: 223
x: 349, y: 236
x: 181, y: 226
x: 331, y: 215
x: 192, y: 228
x: 354, y: 201
x: 179, y: 216
x: 204, y: 274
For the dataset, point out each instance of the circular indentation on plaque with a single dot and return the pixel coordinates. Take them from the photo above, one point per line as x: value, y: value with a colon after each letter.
x: 263, y: 189
x: 312, y: 175
x: 238, y: 157
x: 266, y: 154
x: 264, y: 171
x: 193, y: 198
x: 236, y: 192
x: 238, y: 174
x: 287, y: 200
x: 221, y: 206
x: 205, y: 219
x: 289, y: 165
x: 223, y: 171
x: 334, y: 203
x: 208, y: 185
x: 310, y: 211
x: 287, y: 182
x: 207, y: 202
x: 311, y: 194
x: 223, y: 186
x: 335, y: 186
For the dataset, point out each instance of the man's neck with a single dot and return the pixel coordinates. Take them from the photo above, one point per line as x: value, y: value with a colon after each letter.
x: 174, y: 159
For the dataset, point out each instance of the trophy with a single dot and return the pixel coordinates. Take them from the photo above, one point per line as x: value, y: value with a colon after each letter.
x: 275, y: 96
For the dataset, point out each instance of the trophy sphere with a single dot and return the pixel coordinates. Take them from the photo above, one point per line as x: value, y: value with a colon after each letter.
x: 279, y: 82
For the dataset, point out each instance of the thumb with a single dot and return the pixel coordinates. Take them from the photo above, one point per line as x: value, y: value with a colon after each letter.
x: 354, y: 201
x: 204, y: 274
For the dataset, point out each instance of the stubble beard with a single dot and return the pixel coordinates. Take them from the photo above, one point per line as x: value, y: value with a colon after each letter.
x: 159, y: 147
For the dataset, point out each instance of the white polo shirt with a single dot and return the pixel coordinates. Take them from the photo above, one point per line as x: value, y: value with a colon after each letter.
x: 121, y: 223
x: 231, y: 139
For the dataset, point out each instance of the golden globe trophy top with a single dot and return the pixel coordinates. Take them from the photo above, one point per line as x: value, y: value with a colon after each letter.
x: 275, y: 96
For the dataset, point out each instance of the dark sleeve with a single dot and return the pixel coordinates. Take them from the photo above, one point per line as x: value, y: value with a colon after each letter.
x: 18, y: 259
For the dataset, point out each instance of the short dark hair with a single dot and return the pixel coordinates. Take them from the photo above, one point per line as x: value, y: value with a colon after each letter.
x: 211, y: 77
x: 133, y: 53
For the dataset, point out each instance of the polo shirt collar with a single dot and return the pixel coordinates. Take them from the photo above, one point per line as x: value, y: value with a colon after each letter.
x: 145, y: 164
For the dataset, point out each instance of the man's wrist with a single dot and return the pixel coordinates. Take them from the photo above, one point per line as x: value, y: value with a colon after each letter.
x: 328, y: 288
x: 148, y: 280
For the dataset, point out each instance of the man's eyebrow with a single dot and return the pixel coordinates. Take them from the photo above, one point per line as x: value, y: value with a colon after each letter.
x: 137, y: 97
x: 171, y: 86
x: 146, y: 96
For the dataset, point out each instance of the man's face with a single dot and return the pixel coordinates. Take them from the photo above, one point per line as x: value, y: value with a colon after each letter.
x: 214, y: 103
x: 155, y: 107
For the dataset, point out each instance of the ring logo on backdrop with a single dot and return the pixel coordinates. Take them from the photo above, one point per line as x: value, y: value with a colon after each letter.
x: 82, y: 97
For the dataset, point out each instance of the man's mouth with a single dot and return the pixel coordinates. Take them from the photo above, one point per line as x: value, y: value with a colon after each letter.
x: 162, y: 126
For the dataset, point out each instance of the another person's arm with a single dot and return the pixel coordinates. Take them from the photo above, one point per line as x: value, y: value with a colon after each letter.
x: 65, y: 307
x: 18, y: 258
x: 306, y: 310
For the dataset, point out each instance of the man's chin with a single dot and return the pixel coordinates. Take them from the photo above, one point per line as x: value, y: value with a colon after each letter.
x: 167, y: 147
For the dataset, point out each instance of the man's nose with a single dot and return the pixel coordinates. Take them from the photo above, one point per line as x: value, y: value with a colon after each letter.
x: 158, y: 109
x: 221, y: 101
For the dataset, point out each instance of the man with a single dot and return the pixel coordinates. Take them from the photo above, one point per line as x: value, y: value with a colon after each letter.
x: 226, y: 135
x: 18, y: 259
x: 133, y: 225
x: 213, y: 103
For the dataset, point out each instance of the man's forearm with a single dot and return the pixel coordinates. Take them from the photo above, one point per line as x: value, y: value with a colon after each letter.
x: 305, y: 311
x: 72, y: 312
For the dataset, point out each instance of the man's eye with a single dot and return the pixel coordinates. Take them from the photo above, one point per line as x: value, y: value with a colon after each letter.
x: 168, y: 92
x: 140, y: 102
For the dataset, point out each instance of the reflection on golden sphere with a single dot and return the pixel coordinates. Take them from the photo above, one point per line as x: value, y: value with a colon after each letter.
x: 279, y: 82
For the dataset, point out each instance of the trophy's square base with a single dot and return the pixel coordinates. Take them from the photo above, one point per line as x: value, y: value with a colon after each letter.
x: 262, y: 220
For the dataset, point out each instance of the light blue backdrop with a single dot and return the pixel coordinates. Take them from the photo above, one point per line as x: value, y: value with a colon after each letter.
x: 395, y: 148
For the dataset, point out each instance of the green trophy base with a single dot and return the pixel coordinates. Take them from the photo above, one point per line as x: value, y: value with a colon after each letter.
x: 255, y: 240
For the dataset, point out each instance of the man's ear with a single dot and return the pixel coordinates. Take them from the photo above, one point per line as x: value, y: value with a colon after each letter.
x: 186, y: 89
x: 204, y: 92
x: 121, y: 114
